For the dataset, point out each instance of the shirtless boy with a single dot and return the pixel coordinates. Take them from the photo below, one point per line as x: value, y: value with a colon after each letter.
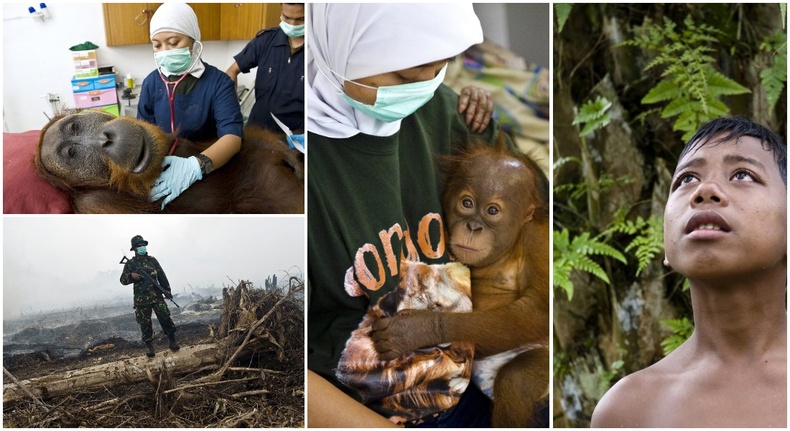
x: 725, y: 229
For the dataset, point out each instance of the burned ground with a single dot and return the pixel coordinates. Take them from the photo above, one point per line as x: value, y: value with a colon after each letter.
x: 258, y: 380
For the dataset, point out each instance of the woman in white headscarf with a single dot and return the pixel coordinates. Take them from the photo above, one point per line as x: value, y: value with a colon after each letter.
x: 378, y: 116
x: 189, y: 98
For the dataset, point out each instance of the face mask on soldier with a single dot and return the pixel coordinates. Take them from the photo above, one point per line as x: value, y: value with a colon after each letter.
x: 142, y: 251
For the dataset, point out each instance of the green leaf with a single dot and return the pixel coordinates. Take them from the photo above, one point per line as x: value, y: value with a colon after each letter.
x: 561, y: 11
x: 774, y: 76
x: 593, y: 115
x: 720, y: 85
x: 665, y: 90
x: 681, y: 331
x: 676, y: 107
x: 575, y: 254
x: 562, y: 279
x: 584, y: 263
x: 648, y: 241
x: 593, y: 247
x: 690, y: 85
x: 717, y: 108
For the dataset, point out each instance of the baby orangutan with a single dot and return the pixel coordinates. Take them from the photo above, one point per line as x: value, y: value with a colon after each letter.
x: 497, y: 216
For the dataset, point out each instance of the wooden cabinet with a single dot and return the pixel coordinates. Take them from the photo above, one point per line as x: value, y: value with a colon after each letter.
x: 271, y: 15
x: 207, y: 15
x: 128, y: 23
x: 242, y: 21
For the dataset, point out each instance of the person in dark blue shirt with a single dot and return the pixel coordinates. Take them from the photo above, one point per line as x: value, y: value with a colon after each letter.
x: 207, y: 111
x: 279, y: 84
x: 189, y: 98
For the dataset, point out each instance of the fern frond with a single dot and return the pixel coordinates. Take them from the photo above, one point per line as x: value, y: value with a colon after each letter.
x: 575, y: 254
x: 561, y: 239
x: 584, y: 263
x: 681, y: 331
x: 587, y: 246
x: 774, y: 77
x: 648, y: 241
x: 720, y: 85
x: 690, y: 84
x: 562, y: 278
x: 665, y: 90
x: 593, y: 115
x: 676, y: 107
x: 561, y: 11
x: 717, y: 108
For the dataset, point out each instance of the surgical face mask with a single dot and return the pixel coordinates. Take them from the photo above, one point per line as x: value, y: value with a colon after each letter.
x: 396, y: 102
x: 174, y: 61
x: 142, y: 251
x: 292, y: 30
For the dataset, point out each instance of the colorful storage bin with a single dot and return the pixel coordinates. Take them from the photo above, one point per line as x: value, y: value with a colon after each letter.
x: 93, y: 98
x: 101, y: 82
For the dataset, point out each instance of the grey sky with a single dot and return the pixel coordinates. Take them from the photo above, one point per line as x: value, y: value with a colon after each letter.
x: 60, y: 262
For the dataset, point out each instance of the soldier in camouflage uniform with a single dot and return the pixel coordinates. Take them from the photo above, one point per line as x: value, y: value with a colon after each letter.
x: 146, y: 296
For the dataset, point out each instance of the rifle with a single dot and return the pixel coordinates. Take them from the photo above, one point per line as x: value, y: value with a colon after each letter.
x: 148, y: 278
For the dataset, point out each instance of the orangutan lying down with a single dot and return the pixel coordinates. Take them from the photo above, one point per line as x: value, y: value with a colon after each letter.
x: 109, y: 164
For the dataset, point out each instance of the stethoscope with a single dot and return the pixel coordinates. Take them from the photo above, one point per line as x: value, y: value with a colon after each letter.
x: 171, y: 95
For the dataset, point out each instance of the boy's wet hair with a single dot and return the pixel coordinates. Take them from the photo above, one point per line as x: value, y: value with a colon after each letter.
x: 728, y: 128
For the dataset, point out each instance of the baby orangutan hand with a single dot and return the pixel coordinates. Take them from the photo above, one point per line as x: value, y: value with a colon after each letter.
x: 407, y: 331
x: 478, y: 107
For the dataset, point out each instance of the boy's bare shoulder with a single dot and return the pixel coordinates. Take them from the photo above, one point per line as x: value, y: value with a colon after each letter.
x: 629, y: 403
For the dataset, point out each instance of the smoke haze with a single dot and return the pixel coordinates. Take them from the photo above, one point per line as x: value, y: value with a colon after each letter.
x: 58, y: 262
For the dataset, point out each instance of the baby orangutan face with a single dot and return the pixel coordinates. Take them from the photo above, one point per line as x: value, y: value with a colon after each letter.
x: 486, y: 213
x: 727, y: 211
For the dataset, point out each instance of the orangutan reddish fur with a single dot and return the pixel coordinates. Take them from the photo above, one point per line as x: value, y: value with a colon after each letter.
x: 510, y: 295
x: 264, y: 177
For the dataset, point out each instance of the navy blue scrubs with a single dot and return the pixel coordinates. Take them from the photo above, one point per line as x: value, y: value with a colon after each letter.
x: 279, y: 83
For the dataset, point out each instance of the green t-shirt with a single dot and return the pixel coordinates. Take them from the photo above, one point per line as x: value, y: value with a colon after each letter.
x: 372, y: 201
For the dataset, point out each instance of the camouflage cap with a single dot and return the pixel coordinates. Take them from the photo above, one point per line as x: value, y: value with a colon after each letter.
x: 137, y: 241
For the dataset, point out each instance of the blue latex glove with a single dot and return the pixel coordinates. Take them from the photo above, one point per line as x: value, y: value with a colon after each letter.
x: 181, y: 174
x: 296, y: 141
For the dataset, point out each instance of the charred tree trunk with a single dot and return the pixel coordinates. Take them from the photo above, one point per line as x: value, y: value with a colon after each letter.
x: 127, y: 371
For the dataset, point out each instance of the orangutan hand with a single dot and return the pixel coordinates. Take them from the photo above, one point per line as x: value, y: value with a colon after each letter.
x: 409, y: 330
x: 479, y: 108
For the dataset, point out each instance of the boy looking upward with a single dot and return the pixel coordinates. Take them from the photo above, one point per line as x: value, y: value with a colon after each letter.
x: 725, y: 229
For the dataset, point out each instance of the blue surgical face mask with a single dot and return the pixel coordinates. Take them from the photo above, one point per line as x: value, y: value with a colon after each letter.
x: 174, y: 61
x: 142, y: 251
x: 292, y: 30
x: 396, y: 102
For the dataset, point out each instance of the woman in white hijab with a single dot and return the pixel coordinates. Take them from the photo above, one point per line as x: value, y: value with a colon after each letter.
x: 189, y: 98
x: 378, y: 117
